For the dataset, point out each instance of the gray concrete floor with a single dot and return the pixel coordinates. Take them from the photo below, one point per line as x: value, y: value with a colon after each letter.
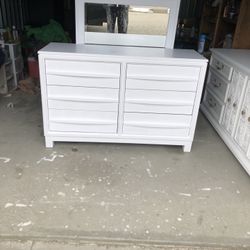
x: 138, y: 194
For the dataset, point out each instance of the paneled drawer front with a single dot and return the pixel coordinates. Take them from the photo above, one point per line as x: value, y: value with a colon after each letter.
x: 148, y: 107
x: 169, y: 85
x: 82, y: 121
x: 92, y: 82
x: 214, y: 106
x: 82, y: 68
x: 140, y: 71
x: 217, y: 85
x: 222, y: 68
x: 79, y: 93
x: 83, y: 105
x: 157, y: 124
x: 159, y: 101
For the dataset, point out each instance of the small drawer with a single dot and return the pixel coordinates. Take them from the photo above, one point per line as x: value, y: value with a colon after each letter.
x: 218, y: 86
x: 214, y: 106
x: 80, y: 93
x: 170, y: 85
x: 160, y: 97
x: 222, y: 68
x: 82, y: 68
x: 162, y: 72
x: 93, y: 82
x: 83, y: 105
x: 157, y: 124
x: 82, y: 121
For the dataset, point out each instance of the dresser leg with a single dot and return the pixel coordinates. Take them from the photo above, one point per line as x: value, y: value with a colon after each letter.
x: 187, y: 147
x: 49, y: 143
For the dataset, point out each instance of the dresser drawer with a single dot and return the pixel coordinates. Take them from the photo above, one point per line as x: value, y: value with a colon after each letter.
x: 160, y: 107
x: 81, y: 94
x: 218, y: 86
x: 164, y: 97
x: 90, y: 105
x: 67, y: 67
x: 214, y: 106
x: 170, y: 85
x: 222, y: 68
x: 170, y: 72
x: 81, y: 81
x: 82, y: 121
x: 157, y: 124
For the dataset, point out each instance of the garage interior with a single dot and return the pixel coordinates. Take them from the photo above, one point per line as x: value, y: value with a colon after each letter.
x: 115, y: 196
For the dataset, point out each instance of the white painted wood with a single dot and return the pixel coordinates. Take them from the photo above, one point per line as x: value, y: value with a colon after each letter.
x: 161, y: 72
x: 48, y: 142
x: 235, y: 123
x: 83, y: 37
x: 83, y: 67
x: 170, y: 85
x: 187, y: 147
x: 221, y: 68
x: 88, y: 106
x: 83, y: 93
x: 83, y: 104
x: 214, y: 105
x: 79, y: 81
x: 218, y: 86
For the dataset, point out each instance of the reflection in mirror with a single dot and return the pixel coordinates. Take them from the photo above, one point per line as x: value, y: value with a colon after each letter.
x: 112, y: 18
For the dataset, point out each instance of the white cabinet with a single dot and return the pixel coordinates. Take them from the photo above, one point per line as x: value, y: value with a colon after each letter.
x: 96, y: 93
x: 227, y: 100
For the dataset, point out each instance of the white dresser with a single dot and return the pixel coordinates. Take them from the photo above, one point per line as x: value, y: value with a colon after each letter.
x: 97, y: 93
x: 227, y: 100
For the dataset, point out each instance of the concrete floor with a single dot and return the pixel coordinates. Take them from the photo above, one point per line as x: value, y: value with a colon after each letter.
x: 137, y: 194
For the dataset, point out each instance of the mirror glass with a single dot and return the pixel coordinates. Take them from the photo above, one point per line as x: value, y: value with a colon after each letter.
x: 128, y: 19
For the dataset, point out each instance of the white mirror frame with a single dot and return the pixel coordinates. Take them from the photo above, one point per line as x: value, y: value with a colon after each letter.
x: 84, y: 37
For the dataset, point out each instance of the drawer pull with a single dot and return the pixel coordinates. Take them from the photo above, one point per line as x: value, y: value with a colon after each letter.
x: 217, y: 85
x: 218, y: 67
x: 229, y: 100
x: 211, y: 103
x: 243, y: 112
x: 235, y: 105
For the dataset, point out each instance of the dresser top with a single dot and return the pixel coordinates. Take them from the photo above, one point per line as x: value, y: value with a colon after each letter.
x: 108, y: 50
x: 238, y: 57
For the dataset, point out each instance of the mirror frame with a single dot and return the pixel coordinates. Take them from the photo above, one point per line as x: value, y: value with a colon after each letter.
x: 167, y: 41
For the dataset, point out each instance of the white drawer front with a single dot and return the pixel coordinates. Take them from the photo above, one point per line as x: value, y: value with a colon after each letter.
x: 157, y: 124
x: 214, y: 106
x: 180, y: 85
x: 93, y: 82
x: 140, y: 71
x: 218, y: 86
x: 221, y: 68
x: 82, y: 68
x: 82, y: 121
x: 79, y: 93
x: 148, y: 107
x: 171, y: 98
x: 83, y: 105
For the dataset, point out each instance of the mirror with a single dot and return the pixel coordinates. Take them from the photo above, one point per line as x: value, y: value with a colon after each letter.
x: 126, y: 19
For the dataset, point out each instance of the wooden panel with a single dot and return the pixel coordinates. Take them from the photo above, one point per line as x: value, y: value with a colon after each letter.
x: 79, y: 93
x: 214, y: 106
x: 221, y: 68
x: 241, y: 35
x: 140, y: 71
x: 92, y: 82
x: 180, y: 85
x: 163, y: 97
x: 82, y: 68
x: 218, y: 86
x: 83, y: 105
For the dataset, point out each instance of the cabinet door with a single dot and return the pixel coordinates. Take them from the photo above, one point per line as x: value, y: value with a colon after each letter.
x: 243, y: 128
x: 233, y: 102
